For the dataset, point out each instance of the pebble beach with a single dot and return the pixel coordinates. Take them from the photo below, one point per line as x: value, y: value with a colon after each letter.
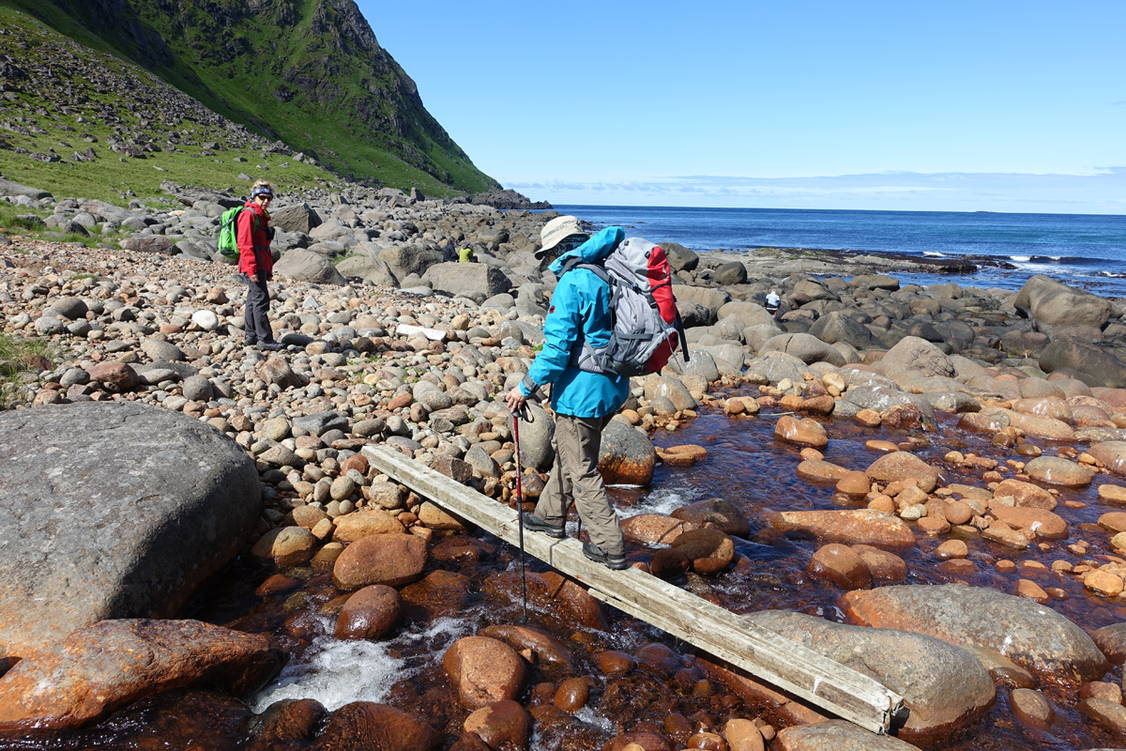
x: 925, y: 483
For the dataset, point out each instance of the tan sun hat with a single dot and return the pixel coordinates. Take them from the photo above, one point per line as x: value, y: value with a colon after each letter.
x: 556, y: 231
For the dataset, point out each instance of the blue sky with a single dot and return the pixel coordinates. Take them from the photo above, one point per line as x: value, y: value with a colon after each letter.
x: 953, y: 105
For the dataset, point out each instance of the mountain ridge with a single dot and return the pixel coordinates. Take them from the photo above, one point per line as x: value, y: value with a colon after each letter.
x: 310, y: 73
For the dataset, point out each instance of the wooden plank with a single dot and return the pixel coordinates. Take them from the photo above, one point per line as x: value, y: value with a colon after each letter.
x: 827, y: 684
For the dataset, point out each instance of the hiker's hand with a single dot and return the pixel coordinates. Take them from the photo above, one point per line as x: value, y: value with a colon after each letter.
x: 515, y: 400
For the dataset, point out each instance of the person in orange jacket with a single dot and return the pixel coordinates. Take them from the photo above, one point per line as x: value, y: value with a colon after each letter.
x: 256, y: 265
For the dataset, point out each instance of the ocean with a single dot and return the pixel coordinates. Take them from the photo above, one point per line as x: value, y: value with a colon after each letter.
x: 1083, y: 250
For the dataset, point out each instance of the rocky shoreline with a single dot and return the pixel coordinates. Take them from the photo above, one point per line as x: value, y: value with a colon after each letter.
x: 388, y: 341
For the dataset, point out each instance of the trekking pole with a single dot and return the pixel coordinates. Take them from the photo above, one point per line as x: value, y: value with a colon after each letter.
x: 520, y: 510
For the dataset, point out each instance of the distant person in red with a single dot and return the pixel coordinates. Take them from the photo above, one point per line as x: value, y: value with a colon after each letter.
x: 256, y: 265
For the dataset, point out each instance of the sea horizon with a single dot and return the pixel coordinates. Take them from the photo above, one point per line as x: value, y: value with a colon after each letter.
x: 1083, y: 250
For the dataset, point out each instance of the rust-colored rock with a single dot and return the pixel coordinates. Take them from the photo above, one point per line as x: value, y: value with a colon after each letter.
x: 847, y: 526
x: 655, y: 529
x: 902, y: 465
x: 840, y: 565
x: 360, y: 524
x: 572, y: 694
x: 1113, y: 521
x: 854, y: 483
x: 441, y: 593
x: 117, y: 377
x: 537, y: 646
x: 742, y: 735
x: 502, y: 724
x: 1111, y: 454
x: 883, y: 565
x: 485, y: 670
x: 1055, y: 470
x: 805, y: 432
x: 1046, y: 525
x: 1031, y: 708
x: 1025, y: 494
x: 819, y: 470
x: 370, y: 613
x: 378, y: 727
x: 613, y: 662
x: 643, y: 740
x: 110, y: 664
x: 393, y: 559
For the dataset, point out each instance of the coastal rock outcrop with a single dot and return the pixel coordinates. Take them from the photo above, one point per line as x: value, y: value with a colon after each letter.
x: 112, y: 510
x: 1030, y: 634
x: 944, y: 686
x: 99, y: 668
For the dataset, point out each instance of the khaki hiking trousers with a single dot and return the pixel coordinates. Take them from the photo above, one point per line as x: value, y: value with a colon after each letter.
x: 575, y: 477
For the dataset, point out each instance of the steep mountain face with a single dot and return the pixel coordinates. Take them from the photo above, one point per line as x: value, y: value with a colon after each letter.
x: 309, y: 72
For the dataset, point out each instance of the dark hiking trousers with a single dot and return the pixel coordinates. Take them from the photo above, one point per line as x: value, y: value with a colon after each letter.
x: 257, y: 327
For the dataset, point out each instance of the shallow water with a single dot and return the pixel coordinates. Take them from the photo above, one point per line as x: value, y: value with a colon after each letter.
x: 746, y: 466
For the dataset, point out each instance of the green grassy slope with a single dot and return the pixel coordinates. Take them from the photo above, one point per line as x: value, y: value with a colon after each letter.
x: 71, y: 100
x: 309, y: 72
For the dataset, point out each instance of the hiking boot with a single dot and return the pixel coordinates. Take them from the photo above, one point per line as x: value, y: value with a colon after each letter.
x: 536, y: 524
x: 595, y: 553
x: 271, y: 346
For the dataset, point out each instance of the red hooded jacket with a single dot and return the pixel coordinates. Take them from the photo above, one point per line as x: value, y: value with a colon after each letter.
x: 254, y: 241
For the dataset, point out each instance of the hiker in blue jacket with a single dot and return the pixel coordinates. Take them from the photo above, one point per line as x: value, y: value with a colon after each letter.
x: 583, y: 402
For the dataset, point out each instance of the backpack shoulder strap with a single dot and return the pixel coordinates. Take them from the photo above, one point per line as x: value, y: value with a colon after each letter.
x: 596, y: 269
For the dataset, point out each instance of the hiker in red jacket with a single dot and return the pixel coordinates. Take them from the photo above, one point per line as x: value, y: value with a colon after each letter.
x: 256, y: 264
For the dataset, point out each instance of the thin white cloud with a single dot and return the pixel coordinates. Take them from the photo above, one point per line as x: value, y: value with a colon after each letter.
x: 1099, y: 191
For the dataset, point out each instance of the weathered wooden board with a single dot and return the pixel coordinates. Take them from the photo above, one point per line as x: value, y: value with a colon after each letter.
x: 827, y: 684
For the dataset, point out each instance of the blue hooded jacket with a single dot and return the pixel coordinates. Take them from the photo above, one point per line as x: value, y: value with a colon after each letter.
x: 579, y: 311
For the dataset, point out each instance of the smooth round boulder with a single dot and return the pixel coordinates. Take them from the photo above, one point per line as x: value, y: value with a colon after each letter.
x: 1055, y: 470
x: 503, y: 724
x: 393, y: 559
x: 805, y: 432
x: 1025, y: 494
x: 943, y: 686
x: 840, y: 565
x: 1111, y: 454
x: 626, y: 456
x: 902, y: 465
x: 1030, y: 634
x: 98, y: 497
x: 354, y: 526
x: 485, y: 670
x: 370, y: 613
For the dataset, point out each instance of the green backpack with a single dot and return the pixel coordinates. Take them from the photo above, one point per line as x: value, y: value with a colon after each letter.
x: 226, y: 242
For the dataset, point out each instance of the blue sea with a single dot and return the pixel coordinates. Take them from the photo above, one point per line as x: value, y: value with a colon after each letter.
x: 1084, y: 250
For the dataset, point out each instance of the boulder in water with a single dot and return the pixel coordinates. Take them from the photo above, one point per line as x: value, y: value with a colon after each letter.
x: 112, y: 510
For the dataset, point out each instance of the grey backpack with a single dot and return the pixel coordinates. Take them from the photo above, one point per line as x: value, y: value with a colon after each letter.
x: 646, y: 326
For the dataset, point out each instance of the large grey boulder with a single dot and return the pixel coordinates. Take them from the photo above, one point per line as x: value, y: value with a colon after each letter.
x: 1052, y: 303
x: 305, y: 266
x: 298, y: 217
x: 913, y: 353
x: 838, y: 326
x: 112, y: 510
x: 1095, y: 366
x: 943, y: 686
x: 1028, y: 633
x: 405, y: 260
x: 368, y: 268
x: 680, y: 257
x: 477, y: 281
x: 805, y: 347
x: 9, y: 188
